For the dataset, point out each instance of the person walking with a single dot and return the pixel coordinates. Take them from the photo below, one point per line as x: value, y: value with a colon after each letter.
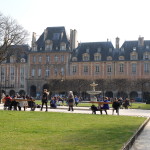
x: 45, y: 99
x: 70, y: 101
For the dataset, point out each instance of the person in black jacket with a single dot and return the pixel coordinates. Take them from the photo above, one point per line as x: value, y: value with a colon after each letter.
x: 45, y: 99
x: 115, y: 106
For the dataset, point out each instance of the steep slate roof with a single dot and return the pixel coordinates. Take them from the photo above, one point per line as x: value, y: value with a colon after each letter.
x: 61, y: 36
x: 129, y: 47
x: 93, y: 48
x: 20, y: 51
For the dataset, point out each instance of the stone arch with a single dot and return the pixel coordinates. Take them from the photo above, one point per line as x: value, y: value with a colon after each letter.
x: 109, y: 94
x: 33, y: 91
x: 22, y: 93
x: 122, y: 94
x: 133, y: 95
x: 146, y: 96
x: 12, y: 93
x: 46, y: 86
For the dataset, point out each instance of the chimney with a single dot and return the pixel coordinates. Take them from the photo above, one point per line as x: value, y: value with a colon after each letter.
x: 141, y: 41
x: 45, y: 34
x: 73, y: 39
x: 33, y: 43
x: 117, y: 42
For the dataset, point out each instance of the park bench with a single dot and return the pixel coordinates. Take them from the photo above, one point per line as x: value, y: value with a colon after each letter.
x: 94, y: 108
x: 31, y: 103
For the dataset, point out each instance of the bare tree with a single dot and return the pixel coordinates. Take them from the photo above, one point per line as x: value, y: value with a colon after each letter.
x: 10, y: 34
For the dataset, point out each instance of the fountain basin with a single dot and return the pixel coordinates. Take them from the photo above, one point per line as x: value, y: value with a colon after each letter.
x: 93, y: 92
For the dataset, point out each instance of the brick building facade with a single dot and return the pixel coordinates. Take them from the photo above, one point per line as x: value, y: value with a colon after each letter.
x: 59, y: 63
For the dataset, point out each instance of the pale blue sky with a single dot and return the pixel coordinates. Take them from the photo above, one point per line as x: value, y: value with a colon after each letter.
x: 95, y: 20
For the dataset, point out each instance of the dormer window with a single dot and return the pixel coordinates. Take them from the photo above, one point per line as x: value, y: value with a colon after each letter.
x: 146, y: 56
x: 133, y: 56
x: 12, y: 59
x: 121, y: 57
x: 23, y: 60
x: 109, y: 58
x: 63, y: 46
x: 85, y: 57
x: 97, y: 56
x: 74, y: 59
x: 134, y: 48
x: 48, y: 45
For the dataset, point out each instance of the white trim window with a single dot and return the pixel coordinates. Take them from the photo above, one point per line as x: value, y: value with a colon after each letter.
x: 33, y: 72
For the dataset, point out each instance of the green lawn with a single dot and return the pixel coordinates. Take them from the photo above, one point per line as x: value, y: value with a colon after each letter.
x: 63, y: 131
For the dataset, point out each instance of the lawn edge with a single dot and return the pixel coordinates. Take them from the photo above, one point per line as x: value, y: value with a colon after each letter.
x: 131, y: 141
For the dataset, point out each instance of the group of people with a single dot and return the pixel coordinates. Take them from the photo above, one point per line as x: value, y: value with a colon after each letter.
x: 12, y: 103
x: 117, y: 103
x: 17, y: 102
x: 71, y: 100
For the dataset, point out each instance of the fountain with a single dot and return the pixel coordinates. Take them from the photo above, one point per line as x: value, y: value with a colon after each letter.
x: 93, y: 92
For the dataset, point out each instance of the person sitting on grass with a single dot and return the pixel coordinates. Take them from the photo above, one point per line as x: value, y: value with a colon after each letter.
x: 126, y: 103
x: 76, y: 100
x: 53, y: 103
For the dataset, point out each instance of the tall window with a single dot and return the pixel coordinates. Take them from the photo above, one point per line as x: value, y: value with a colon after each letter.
x: 109, y: 68
x: 121, y: 67
x: 62, y: 58
x: 134, y: 67
x: 22, y: 74
x: 56, y: 58
x: 146, y: 67
x: 12, y: 73
x: 85, y: 69
x: 55, y: 71
x: 33, y: 72
x: 3, y: 70
x: 47, y: 59
x: 34, y: 59
x: 97, y: 68
x: 39, y: 72
x: 40, y: 59
x: 74, y: 69
x: 47, y: 72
